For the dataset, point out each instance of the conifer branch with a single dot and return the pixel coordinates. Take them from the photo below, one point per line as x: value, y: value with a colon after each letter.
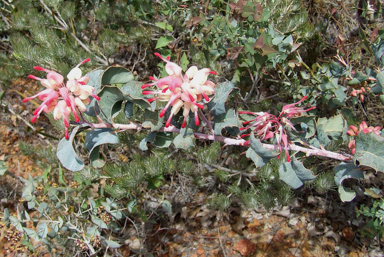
x: 65, y: 27
x: 233, y: 141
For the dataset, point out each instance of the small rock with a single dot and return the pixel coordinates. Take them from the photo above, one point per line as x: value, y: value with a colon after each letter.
x: 293, y: 221
x: 245, y: 247
x: 135, y: 244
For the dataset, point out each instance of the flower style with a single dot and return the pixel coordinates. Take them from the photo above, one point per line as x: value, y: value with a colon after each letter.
x: 181, y: 91
x: 63, y: 98
x: 268, y: 126
x: 363, y: 127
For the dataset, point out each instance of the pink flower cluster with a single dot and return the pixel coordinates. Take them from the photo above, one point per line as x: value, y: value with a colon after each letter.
x: 359, y: 92
x: 269, y: 126
x: 63, y: 98
x: 180, y: 90
x: 363, y: 127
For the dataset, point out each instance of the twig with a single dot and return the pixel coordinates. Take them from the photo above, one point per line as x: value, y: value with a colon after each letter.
x: 104, y: 62
x: 255, y: 81
x: 9, y: 108
x: 206, y: 121
x: 22, y: 180
x: 61, y: 22
x: 65, y: 27
x: 140, y: 60
x: 232, y: 141
x: 221, y: 243
x: 235, y: 172
x: 5, y: 20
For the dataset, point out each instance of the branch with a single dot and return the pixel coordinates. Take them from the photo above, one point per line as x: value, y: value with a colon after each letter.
x: 233, y: 141
x: 65, y: 27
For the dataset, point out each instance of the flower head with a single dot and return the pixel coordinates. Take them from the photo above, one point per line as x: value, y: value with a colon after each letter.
x: 267, y: 126
x: 181, y: 90
x: 63, y: 98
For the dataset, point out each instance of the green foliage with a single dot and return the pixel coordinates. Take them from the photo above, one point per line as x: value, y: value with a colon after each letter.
x: 271, y: 192
x: 325, y: 182
x: 209, y: 153
x: 375, y: 215
x: 220, y: 201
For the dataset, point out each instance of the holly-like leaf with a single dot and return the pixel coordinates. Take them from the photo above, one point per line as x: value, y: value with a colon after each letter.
x: 294, y: 173
x: 369, y: 151
x: 66, y: 153
x: 309, y: 129
x: 358, y: 79
x: 133, y: 93
x: 149, y: 138
x: 344, y: 171
x: 95, y: 79
x: 152, y: 120
x: 379, y: 88
x: 217, y: 105
x: 229, y: 121
x: 185, y: 139
x: 94, y: 139
x: 128, y: 110
x: 259, y: 155
x: 116, y: 75
x: 163, y: 139
x: 111, y: 99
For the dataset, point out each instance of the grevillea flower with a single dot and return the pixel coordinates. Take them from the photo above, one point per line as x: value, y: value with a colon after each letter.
x: 63, y: 98
x: 359, y: 92
x: 181, y: 91
x: 353, y: 131
x: 269, y: 126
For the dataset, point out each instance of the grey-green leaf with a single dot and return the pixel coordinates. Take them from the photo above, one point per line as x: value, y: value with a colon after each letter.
x: 116, y: 75
x: 344, y: 171
x: 97, y: 137
x: 217, y: 105
x: 112, y: 244
x: 66, y: 153
x: 370, y: 151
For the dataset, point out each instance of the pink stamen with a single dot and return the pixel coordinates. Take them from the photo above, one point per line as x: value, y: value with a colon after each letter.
x: 168, y: 121
x: 153, y: 99
x: 95, y: 96
x: 146, y: 85
x: 149, y: 92
x: 184, y: 122
x: 66, y: 134
x: 86, y: 60
x: 40, y: 69
x: 199, y: 105
x: 34, y: 77
x: 197, y: 122
x: 153, y: 78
